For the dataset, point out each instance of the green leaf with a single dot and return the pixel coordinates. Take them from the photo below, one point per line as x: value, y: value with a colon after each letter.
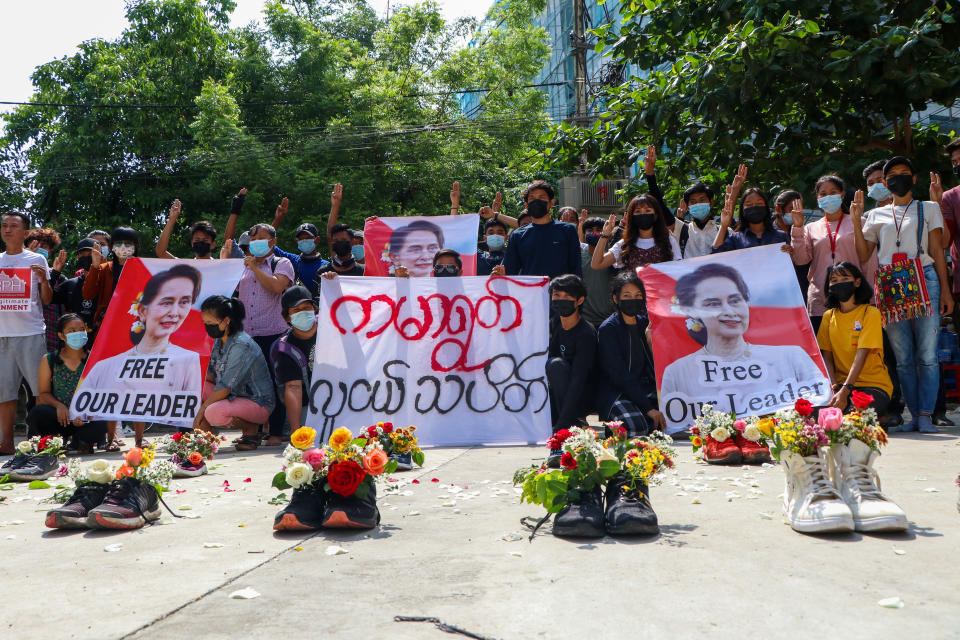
x: 280, y: 481
x: 811, y: 26
x: 38, y: 484
x: 840, y: 53
x: 418, y: 458
x: 390, y: 466
x: 608, y: 468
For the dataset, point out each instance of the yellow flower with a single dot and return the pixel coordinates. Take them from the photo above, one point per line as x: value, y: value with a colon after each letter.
x: 340, y: 438
x: 147, y: 457
x: 303, y: 438
x: 766, y: 426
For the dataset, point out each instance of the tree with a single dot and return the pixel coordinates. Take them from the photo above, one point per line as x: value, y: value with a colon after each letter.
x: 796, y: 89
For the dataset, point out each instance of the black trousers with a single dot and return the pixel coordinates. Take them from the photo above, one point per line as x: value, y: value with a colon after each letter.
x: 42, y: 421
x: 559, y: 372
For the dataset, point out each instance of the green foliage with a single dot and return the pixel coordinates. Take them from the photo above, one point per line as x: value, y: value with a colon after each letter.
x: 280, y: 481
x: 796, y: 89
x: 418, y: 458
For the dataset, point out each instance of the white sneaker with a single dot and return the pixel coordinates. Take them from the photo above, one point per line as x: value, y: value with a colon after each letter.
x: 811, y: 504
x: 851, y: 467
x: 188, y: 471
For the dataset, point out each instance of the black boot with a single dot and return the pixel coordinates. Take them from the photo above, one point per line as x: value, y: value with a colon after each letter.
x: 352, y: 512
x: 305, y: 511
x: 581, y: 519
x: 628, y: 515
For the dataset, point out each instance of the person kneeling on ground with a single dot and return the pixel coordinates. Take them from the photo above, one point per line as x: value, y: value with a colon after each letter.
x: 291, y: 356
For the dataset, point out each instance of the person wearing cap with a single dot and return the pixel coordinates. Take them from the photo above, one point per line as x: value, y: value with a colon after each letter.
x: 291, y: 356
x: 243, y: 244
x: 308, y: 262
x: 69, y: 292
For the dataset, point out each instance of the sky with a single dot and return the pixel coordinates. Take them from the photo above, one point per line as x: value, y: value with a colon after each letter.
x: 33, y: 32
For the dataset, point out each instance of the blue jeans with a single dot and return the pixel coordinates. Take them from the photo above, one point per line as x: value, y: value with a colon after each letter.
x: 915, y: 345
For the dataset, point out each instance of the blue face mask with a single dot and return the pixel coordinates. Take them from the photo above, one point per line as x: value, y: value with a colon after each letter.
x: 43, y: 252
x: 700, y: 210
x: 307, y: 246
x: 878, y: 192
x: 105, y: 251
x: 357, y: 252
x: 830, y: 203
x: 303, y: 320
x: 495, y: 243
x: 259, y: 248
x: 76, y: 340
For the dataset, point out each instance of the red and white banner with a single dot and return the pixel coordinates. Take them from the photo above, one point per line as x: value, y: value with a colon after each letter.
x: 412, y: 242
x: 462, y: 359
x: 150, y: 357
x: 731, y: 330
x: 15, y: 289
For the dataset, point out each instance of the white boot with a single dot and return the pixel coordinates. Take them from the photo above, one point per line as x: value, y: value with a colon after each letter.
x: 855, y: 478
x: 810, y: 502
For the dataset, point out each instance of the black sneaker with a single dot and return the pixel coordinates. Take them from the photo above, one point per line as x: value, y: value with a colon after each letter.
x: 404, y: 461
x: 553, y: 460
x: 129, y: 504
x: 581, y: 519
x: 37, y: 467
x: 73, y: 515
x: 14, y: 463
x: 627, y: 514
x: 352, y: 512
x: 305, y: 511
x: 941, y: 420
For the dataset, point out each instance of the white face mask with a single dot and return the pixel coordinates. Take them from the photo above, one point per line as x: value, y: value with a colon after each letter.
x: 123, y: 250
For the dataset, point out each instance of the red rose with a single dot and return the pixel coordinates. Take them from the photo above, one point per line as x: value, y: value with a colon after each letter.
x: 372, y: 431
x: 177, y: 436
x: 860, y: 399
x: 43, y: 443
x: 387, y: 427
x: 344, y: 477
x: 803, y: 407
x: 556, y: 440
x: 567, y: 461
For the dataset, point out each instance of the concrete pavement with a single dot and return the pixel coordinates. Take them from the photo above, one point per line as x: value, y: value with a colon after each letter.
x: 724, y: 565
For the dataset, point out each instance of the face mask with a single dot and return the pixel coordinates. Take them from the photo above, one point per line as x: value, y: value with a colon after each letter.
x: 754, y: 215
x: 564, y: 308
x: 303, y: 320
x: 956, y: 171
x: 878, y: 192
x: 830, y: 203
x: 123, y: 250
x: 700, y: 210
x: 538, y: 208
x: 633, y: 307
x: 213, y: 330
x: 644, y: 220
x: 787, y: 219
x: 357, y: 251
x: 259, y: 248
x: 342, y: 248
x: 900, y: 185
x: 105, y: 250
x: 593, y: 239
x: 842, y: 290
x: 85, y: 263
x: 43, y: 252
x: 445, y: 270
x: 345, y: 262
x: 495, y: 243
x: 307, y: 246
x: 76, y: 340
x: 201, y: 248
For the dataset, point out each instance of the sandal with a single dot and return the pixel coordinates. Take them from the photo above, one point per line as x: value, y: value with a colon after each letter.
x: 248, y: 443
x: 114, y: 445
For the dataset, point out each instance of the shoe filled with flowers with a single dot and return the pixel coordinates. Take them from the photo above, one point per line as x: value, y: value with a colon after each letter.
x: 400, y: 444
x: 37, y: 458
x: 91, y: 482
x: 133, y: 497
x: 722, y: 438
x: 642, y: 462
x: 189, y: 451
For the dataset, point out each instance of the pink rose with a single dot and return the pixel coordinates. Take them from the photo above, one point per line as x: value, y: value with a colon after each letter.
x: 739, y: 425
x: 314, y: 457
x: 831, y: 419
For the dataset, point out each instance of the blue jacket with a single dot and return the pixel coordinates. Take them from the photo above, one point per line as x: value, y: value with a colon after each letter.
x: 615, y: 377
x: 551, y: 250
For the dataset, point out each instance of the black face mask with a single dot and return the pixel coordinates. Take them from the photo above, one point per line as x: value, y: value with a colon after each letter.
x: 755, y: 215
x: 538, y: 208
x: 342, y: 248
x: 633, y: 307
x: 842, y: 290
x: 645, y: 220
x: 344, y: 263
x: 900, y: 185
x: 445, y: 271
x: 84, y: 263
x: 202, y: 248
x: 956, y: 171
x: 213, y: 330
x: 593, y: 239
x: 565, y: 308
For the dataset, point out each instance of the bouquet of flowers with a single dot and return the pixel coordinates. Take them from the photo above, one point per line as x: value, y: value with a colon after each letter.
x: 189, y: 450
x: 642, y: 459
x: 860, y: 424
x: 586, y: 463
x: 140, y: 463
x: 46, y: 446
x: 396, y: 442
x: 95, y: 472
x: 711, y: 424
x: 796, y: 430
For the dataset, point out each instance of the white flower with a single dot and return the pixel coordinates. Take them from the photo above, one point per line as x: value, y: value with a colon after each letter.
x: 99, y: 471
x: 25, y: 447
x: 720, y: 434
x: 55, y: 442
x: 751, y: 433
x: 298, y: 474
x: 291, y: 455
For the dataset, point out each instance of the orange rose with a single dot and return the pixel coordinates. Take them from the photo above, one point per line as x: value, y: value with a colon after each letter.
x: 196, y: 458
x: 375, y: 461
x: 133, y: 456
x: 124, y: 471
x: 303, y: 438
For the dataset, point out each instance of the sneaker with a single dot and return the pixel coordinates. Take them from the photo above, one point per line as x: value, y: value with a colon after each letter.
x: 129, y: 504
x: 726, y: 452
x: 941, y: 420
x: 583, y: 518
x: 627, y: 513
x: 853, y: 473
x: 404, y: 461
x: 925, y: 425
x: 811, y: 503
x: 187, y: 470
x: 304, y: 512
x: 752, y: 452
x: 352, y: 512
x: 14, y: 463
x: 73, y: 515
x: 38, y: 467
x: 553, y: 460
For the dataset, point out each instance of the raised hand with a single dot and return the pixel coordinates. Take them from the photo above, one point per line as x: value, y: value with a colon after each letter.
x: 238, y: 200
x: 856, y: 208
x: 497, y: 202
x: 650, y: 160
x: 936, y: 189
x: 283, y: 207
x: 584, y: 214
x: 226, y: 249
x: 175, y: 210
x: 609, y: 225
x: 796, y: 212
x: 34, y: 245
x: 96, y: 256
x: 455, y: 196
x: 486, y: 212
x: 726, y: 216
x: 739, y: 179
x: 60, y: 261
x: 336, y: 196
x: 682, y: 209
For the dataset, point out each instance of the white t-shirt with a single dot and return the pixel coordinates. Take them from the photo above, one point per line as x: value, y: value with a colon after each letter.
x: 14, y: 324
x: 642, y: 243
x: 880, y: 229
x: 699, y: 241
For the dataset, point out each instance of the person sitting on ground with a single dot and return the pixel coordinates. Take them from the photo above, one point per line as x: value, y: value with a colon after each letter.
x: 627, y: 384
x: 646, y: 238
x: 238, y: 392
x: 599, y: 282
x: 544, y: 248
x: 58, y: 377
x: 203, y: 236
x: 291, y: 357
x: 851, y: 339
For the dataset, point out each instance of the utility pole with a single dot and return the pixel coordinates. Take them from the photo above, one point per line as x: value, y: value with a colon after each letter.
x: 578, y: 44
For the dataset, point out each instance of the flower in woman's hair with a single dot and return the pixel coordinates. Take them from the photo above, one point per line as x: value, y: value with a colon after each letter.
x: 125, y: 471
x: 298, y: 474
x: 568, y: 461
x: 830, y: 418
x: 99, y: 471
x: 303, y: 437
x: 25, y: 446
x: 133, y: 456
x: 720, y: 434
x: 860, y: 399
x: 196, y: 458
x: 135, y: 307
x: 803, y: 407
x: 740, y: 424
x: 375, y: 461
x: 752, y: 433
x: 314, y: 457
x: 340, y: 438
